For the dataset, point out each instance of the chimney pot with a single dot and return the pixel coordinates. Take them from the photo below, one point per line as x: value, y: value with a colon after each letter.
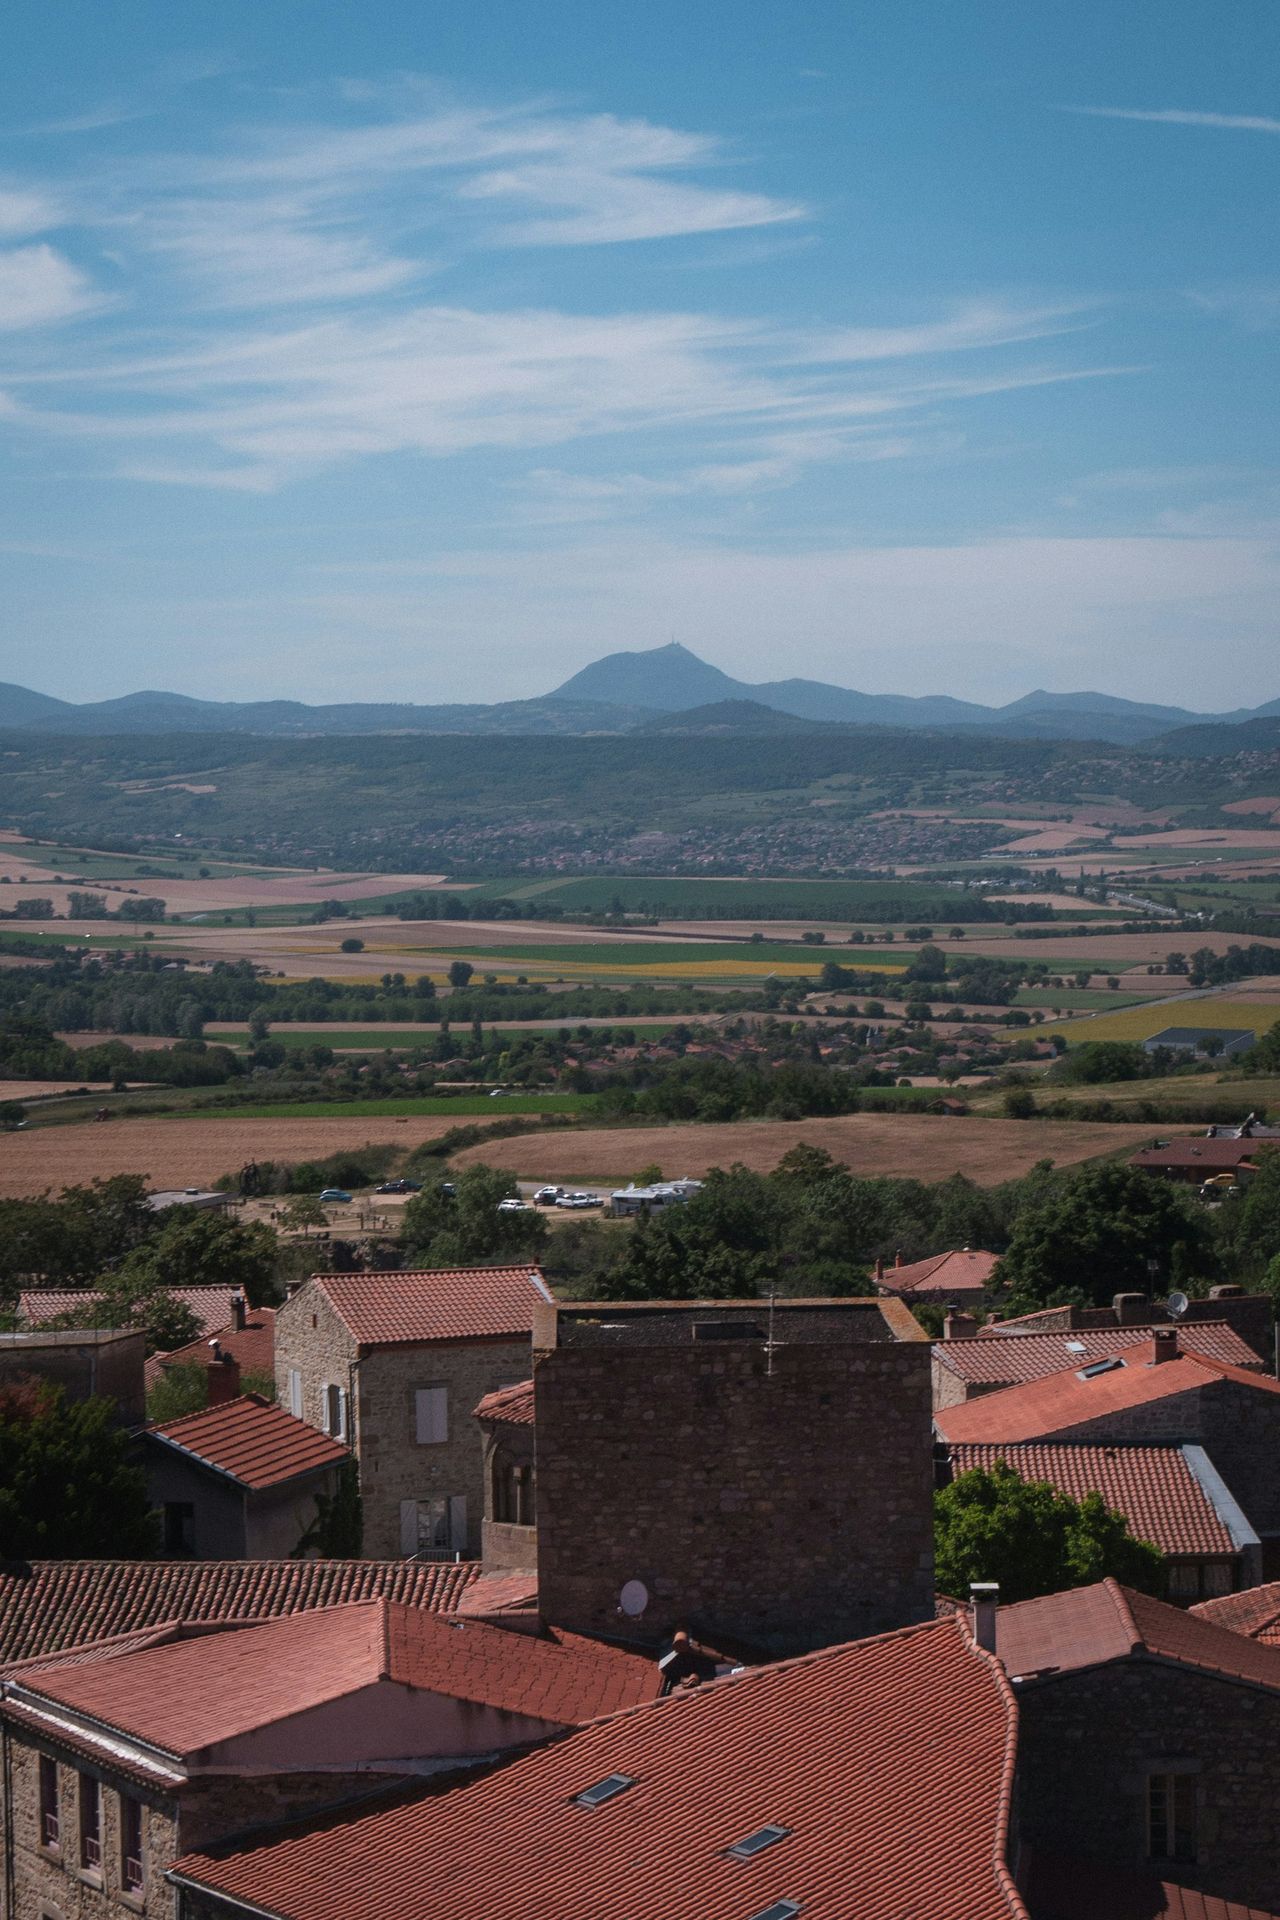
x: 239, y: 1312
x: 984, y: 1599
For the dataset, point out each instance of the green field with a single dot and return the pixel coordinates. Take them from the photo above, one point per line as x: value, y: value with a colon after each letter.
x: 1140, y: 1022
x: 717, y: 958
x: 1083, y: 999
x: 465, y: 1107
x: 84, y: 862
x: 692, y: 898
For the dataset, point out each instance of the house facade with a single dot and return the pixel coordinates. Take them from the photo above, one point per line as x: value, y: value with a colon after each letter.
x: 392, y: 1365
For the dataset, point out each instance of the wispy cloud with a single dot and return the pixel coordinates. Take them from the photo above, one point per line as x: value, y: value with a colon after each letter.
x: 38, y: 285
x: 1183, y: 117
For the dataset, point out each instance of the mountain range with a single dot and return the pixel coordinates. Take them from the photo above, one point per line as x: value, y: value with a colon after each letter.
x: 661, y: 689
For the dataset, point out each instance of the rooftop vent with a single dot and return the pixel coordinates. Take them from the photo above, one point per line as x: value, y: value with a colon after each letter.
x: 1099, y: 1366
x: 756, y: 1842
x: 780, y: 1910
x: 605, y: 1790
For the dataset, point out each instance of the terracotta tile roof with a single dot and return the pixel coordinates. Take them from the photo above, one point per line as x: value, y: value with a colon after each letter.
x: 455, y: 1303
x: 251, y: 1440
x: 252, y: 1347
x: 888, y: 1762
x: 495, y: 1594
x: 513, y: 1406
x: 1153, y: 1487
x: 1063, y: 1403
x: 1255, y: 1612
x: 1092, y: 1626
x: 1060, y: 1887
x: 194, y: 1692
x: 1213, y: 1156
x: 51, y: 1605
x: 210, y: 1305
x: 963, y: 1271
x: 1030, y: 1356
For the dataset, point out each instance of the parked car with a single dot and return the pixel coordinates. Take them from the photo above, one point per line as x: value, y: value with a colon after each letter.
x: 576, y: 1201
x: 400, y: 1186
x: 335, y: 1197
x: 514, y: 1206
x: 547, y: 1196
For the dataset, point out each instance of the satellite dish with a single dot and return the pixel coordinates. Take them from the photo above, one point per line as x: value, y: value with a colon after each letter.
x: 1177, y: 1304
x: 634, y: 1598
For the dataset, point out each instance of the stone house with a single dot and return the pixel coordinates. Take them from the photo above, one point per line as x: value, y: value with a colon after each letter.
x: 239, y: 1480
x: 761, y: 1476
x: 125, y: 1753
x: 967, y: 1362
x: 1158, y: 1392
x: 1149, y: 1739
x: 1251, y: 1315
x: 509, y: 1539
x: 392, y: 1364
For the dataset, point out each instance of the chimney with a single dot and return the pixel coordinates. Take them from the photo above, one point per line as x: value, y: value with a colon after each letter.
x: 224, y: 1380
x: 879, y: 1269
x: 959, y: 1326
x: 984, y: 1599
x: 1130, y: 1309
x: 897, y: 1258
x: 239, y: 1312
x: 1164, y: 1344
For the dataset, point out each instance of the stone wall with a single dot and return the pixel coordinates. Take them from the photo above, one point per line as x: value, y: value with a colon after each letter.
x: 788, y: 1507
x: 1088, y: 1741
x: 393, y: 1466
x: 50, y: 1882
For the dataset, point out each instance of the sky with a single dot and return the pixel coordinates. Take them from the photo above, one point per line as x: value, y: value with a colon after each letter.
x: 429, y: 350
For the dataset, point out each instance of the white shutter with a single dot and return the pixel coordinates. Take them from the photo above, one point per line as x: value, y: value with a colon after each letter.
x: 295, y: 1393
x: 408, y: 1527
x: 431, y: 1415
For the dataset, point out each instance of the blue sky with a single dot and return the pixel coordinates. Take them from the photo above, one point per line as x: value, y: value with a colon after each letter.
x: 429, y: 351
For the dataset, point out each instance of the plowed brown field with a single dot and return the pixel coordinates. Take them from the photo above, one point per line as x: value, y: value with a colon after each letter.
x: 922, y: 1146
x: 187, y: 1153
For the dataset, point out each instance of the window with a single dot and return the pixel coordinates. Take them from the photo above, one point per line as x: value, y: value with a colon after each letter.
x: 606, y: 1789
x: 431, y: 1415
x: 131, y: 1876
x: 513, y: 1497
x: 179, y: 1526
x: 295, y: 1393
x: 335, y: 1412
x: 434, y: 1529
x: 757, y: 1842
x: 1171, y: 1816
x: 50, y: 1824
x: 90, y: 1823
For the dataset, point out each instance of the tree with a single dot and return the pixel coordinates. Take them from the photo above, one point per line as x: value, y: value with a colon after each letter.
x: 202, y: 1249
x: 460, y: 972
x: 1105, y: 1231
x: 303, y: 1211
x: 67, y: 1488
x: 1019, y: 1103
x: 1097, y: 1061
x: 337, y: 1532
x: 137, y: 1298
x: 996, y: 1526
x: 178, y: 1391
x: 468, y: 1227
x: 352, y: 945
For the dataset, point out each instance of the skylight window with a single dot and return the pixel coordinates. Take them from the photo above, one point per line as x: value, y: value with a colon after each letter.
x: 1099, y: 1366
x: 1075, y: 1346
x: 780, y: 1910
x: 605, y: 1790
x: 756, y: 1842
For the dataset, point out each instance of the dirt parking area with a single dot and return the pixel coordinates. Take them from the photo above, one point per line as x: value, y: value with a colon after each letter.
x: 922, y: 1146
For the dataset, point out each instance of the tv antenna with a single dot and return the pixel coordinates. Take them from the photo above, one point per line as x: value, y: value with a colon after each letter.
x: 770, y: 1345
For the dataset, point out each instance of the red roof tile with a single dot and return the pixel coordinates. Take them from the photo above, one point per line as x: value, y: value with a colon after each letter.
x: 210, y: 1305
x: 963, y: 1271
x: 1153, y: 1487
x: 1030, y: 1356
x: 888, y: 1762
x: 194, y: 1692
x: 495, y: 1594
x: 56, y: 1604
x: 1092, y: 1626
x: 512, y: 1406
x: 1063, y: 1403
x: 455, y: 1303
x: 251, y: 1440
x: 252, y: 1347
x: 1200, y: 1153
x: 1065, y: 1888
x: 1255, y: 1612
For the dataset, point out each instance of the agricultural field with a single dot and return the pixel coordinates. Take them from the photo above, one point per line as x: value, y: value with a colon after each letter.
x: 374, y: 1036
x: 919, y: 1146
x: 176, y: 1152
x: 1200, y: 1010
x: 463, y: 1106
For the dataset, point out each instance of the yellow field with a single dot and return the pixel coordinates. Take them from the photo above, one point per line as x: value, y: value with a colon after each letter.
x: 1139, y: 1023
